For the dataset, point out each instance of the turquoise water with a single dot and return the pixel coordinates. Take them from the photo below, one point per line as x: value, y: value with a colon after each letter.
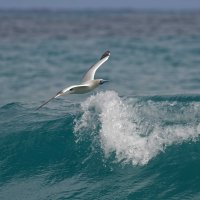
x: 136, y: 137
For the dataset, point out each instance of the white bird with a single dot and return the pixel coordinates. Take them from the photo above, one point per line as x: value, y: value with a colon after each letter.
x: 88, y: 82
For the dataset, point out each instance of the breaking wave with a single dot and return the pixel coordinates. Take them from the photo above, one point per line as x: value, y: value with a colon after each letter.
x: 136, y: 129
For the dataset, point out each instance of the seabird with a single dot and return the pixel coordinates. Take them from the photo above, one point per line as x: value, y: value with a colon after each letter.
x: 88, y: 82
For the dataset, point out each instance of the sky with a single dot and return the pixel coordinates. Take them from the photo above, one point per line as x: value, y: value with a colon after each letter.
x: 101, y: 4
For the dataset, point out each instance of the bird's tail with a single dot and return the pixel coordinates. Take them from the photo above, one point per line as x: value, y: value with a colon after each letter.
x: 46, y: 102
x: 57, y: 95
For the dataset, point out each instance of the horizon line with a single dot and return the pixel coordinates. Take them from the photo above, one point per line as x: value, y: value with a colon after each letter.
x: 158, y: 10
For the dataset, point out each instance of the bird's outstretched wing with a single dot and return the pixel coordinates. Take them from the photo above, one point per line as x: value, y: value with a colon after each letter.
x: 77, y: 89
x: 91, y: 72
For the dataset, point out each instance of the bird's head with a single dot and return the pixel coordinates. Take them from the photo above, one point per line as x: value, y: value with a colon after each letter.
x: 102, y: 81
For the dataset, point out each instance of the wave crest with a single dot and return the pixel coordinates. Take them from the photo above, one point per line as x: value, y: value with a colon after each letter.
x: 136, y: 129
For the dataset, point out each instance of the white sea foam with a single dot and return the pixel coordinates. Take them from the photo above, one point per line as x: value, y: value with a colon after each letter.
x: 135, y: 130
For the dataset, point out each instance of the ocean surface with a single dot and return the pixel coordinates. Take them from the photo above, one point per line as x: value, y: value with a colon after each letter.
x: 136, y: 137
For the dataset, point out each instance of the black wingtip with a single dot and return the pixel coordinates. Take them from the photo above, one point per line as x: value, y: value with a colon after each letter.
x: 107, y: 53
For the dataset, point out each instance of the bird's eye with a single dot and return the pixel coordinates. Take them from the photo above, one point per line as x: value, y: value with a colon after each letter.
x: 71, y: 89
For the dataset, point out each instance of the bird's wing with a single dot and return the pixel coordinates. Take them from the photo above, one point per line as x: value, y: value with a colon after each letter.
x: 91, y: 72
x: 79, y: 88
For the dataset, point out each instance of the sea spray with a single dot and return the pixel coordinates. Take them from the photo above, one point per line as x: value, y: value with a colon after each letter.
x: 136, y: 129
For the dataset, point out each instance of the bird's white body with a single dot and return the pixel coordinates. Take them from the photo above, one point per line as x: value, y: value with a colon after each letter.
x: 88, y: 82
x: 82, y: 88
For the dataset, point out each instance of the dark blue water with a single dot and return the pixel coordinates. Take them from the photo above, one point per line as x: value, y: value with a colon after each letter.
x: 134, y: 138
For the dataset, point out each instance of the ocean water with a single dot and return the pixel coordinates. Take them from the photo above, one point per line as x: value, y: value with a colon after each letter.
x: 136, y: 137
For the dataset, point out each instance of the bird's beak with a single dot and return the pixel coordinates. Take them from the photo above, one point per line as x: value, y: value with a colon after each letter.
x: 105, y: 81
